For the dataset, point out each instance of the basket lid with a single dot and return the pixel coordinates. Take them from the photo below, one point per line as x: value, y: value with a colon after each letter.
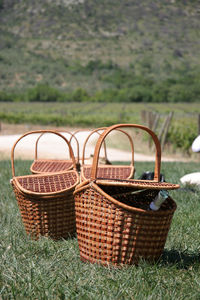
x: 47, y: 184
x: 109, y: 171
x: 138, y: 184
x: 141, y: 184
x: 49, y: 166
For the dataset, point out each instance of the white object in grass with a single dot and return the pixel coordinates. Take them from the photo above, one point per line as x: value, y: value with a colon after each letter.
x: 196, y: 144
x: 192, y: 178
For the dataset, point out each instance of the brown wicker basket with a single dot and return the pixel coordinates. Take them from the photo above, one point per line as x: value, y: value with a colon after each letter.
x: 108, y: 170
x: 40, y: 166
x: 114, y: 225
x: 46, y: 201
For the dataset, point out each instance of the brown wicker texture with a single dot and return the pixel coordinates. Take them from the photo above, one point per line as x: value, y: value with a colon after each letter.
x: 40, y: 166
x: 107, y: 170
x: 114, y: 225
x: 46, y: 201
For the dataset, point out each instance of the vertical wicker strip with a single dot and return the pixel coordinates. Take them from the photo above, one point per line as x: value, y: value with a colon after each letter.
x: 114, y: 225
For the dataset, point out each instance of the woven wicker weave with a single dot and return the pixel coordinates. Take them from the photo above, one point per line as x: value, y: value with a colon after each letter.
x: 46, y: 201
x: 53, y: 165
x: 107, y: 170
x: 114, y: 225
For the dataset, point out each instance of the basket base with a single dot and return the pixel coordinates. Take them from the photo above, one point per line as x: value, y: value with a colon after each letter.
x: 35, y: 237
x: 118, y: 265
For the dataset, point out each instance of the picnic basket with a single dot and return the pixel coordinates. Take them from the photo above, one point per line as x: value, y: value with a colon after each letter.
x: 108, y: 170
x: 46, y: 201
x: 43, y: 165
x: 113, y: 221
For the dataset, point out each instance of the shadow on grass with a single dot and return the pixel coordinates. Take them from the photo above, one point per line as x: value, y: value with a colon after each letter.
x: 180, y: 259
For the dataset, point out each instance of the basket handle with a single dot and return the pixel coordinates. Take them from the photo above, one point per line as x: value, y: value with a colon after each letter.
x: 102, y: 137
x: 81, y: 130
x: 105, y: 151
x: 77, y: 131
x: 86, y: 140
x: 36, y: 144
x: 42, y: 131
x: 74, y: 136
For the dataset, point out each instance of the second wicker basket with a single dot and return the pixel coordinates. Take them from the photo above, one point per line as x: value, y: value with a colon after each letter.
x: 46, y: 201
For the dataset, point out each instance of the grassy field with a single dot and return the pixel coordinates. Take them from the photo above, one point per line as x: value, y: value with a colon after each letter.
x: 46, y: 269
x: 90, y: 113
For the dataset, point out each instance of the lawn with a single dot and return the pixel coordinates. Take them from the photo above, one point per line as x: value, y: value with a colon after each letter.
x: 46, y: 269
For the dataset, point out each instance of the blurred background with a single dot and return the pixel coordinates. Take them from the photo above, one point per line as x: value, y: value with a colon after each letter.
x: 89, y: 63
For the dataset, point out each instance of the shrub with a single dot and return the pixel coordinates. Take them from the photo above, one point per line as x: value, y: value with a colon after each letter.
x: 43, y: 93
x: 182, y: 133
x: 1, y: 4
x: 139, y: 93
x: 119, y: 78
x: 94, y: 65
x: 136, y: 94
x: 80, y: 95
x: 160, y: 92
x: 108, y: 95
x: 5, y: 97
x: 181, y: 93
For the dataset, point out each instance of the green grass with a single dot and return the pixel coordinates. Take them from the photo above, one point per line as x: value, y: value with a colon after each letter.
x: 46, y: 269
x: 84, y: 112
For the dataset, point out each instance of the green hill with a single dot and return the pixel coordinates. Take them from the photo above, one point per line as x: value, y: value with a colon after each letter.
x: 124, y: 50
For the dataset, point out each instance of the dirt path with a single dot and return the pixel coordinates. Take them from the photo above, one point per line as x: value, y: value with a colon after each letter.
x: 51, y: 146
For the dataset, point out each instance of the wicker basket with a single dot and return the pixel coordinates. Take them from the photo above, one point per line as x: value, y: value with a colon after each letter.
x: 107, y: 170
x: 40, y: 166
x: 114, y: 225
x: 46, y: 201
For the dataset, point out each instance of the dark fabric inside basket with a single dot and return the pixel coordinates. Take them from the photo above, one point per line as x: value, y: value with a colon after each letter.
x: 135, y: 198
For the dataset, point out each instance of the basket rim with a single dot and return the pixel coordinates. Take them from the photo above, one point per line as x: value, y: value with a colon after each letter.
x: 45, y: 175
x: 84, y: 185
x: 135, y: 183
x: 50, y: 159
x: 142, y: 184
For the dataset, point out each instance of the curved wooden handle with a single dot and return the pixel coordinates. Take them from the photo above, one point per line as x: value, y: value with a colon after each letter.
x: 111, y: 128
x: 84, y: 145
x: 74, y: 136
x: 42, y: 132
x: 105, y: 151
x: 36, y: 144
x: 78, y: 131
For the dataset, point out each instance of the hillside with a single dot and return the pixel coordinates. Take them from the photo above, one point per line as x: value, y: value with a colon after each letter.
x: 100, y: 45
